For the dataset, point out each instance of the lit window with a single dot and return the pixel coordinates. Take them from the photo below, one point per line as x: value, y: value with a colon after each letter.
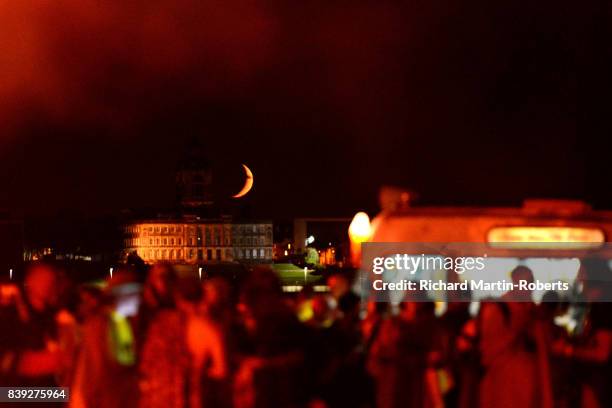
x: 545, y: 237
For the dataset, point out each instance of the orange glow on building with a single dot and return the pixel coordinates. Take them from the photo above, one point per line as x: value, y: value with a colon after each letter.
x: 183, y: 242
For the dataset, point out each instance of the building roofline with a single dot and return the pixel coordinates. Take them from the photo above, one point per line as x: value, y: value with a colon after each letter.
x: 196, y: 221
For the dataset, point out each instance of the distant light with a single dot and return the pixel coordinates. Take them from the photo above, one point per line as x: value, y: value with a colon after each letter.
x: 110, y: 271
x: 10, y: 274
x: 297, y: 288
x: 360, y: 229
x: 200, y: 272
x: 286, y: 252
x: 289, y: 246
x: 547, y: 237
x: 310, y: 240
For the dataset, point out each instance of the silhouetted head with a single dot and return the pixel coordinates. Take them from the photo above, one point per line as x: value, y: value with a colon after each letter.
x: 550, y: 305
x: 41, y: 286
x: 217, y: 292
x: 90, y: 300
x: 320, y: 308
x: 377, y: 308
x: 339, y: 285
x: 596, y: 279
x: 416, y: 304
x: 188, y: 294
x: 521, y: 273
x: 262, y: 284
x: 161, y: 285
x: 260, y: 297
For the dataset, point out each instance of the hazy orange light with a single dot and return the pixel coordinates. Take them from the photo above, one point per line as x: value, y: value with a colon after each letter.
x: 569, y: 237
x: 359, y: 231
x: 360, y: 228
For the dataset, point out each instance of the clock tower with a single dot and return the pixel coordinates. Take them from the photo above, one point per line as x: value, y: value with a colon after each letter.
x: 194, y: 178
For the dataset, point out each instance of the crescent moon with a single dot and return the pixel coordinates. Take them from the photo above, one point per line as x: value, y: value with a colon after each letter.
x: 248, y: 183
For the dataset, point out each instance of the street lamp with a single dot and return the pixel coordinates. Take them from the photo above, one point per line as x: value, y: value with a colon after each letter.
x: 359, y: 231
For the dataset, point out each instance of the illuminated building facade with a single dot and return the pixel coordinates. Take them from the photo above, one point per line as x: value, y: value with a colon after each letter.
x: 199, y: 231
x: 198, y: 241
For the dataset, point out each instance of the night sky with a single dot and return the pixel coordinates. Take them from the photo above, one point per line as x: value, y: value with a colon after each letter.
x: 465, y: 102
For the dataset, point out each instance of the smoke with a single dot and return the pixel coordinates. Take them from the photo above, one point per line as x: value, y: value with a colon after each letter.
x: 358, y: 85
x: 117, y: 63
x: 97, y: 61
